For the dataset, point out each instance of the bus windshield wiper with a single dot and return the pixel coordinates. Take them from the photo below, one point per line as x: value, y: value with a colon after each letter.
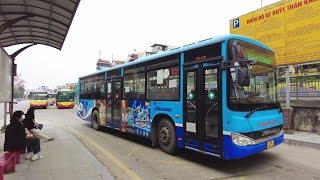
x: 252, y: 111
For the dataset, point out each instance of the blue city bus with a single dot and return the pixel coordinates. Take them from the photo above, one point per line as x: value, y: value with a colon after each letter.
x: 217, y: 96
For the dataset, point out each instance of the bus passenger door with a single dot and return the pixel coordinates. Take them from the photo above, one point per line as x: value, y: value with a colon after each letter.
x: 202, y: 119
x: 116, y: 106
x: 113, y: 103
x: 109, y: 103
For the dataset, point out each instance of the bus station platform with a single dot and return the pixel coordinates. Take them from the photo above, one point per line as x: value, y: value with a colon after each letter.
x: 65, y: 158
x: 305, y: 139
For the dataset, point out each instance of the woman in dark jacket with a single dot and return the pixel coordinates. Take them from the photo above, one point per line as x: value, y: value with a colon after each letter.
x: 15, y: 134
x: 33, y: 127
x: 17, y: 138
x: 29, y: 122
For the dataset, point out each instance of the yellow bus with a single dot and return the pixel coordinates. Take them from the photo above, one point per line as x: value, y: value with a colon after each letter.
x: 65, y: 99
x: 38, y: 99
x: 52, y: 97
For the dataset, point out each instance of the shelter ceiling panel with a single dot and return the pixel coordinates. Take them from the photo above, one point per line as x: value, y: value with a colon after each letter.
x: 36, y: 10
x: 10, y: 7
x: 61, y: 10
x: 45, y: 21
x: 20, y: 28
x: 9, y: 39
x: 21, y: 33
x: 62, y: 19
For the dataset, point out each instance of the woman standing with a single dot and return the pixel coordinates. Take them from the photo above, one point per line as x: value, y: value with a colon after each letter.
x: 17, y: 138
x: 33, y: 127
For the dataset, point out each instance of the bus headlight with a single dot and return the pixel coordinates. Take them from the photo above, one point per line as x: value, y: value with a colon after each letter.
x: 241, y: 140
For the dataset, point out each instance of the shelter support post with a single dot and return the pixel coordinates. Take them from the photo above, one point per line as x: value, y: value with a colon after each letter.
x: 12, y: 89
x: 297, y: 86
x: 15, y: 54
x: 287, y: 111
x: 288, y: 88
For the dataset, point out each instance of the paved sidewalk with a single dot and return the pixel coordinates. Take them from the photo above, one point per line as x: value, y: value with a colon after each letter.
x: 65, y: 158
x: 305, y: 139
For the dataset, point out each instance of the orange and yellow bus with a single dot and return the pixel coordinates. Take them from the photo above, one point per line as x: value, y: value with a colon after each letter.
x: 65, y: 99
x: 38, y: 99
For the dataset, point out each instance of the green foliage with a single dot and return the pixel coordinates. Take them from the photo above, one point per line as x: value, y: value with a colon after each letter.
x: 75, y: 89
x: 309, y: 78
x: 300, y: 79
x: 18, y: 88
x: 18, y: 91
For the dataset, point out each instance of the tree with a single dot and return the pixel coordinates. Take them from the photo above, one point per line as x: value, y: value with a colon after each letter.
x: 75, y: 89
x: 19, y: 87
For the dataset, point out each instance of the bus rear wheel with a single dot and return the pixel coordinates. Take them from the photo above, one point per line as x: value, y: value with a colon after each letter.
x: 95, y: 120
x: 166, y: 136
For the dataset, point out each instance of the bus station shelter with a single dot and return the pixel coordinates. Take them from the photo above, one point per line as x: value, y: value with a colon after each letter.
x: 30, y: 22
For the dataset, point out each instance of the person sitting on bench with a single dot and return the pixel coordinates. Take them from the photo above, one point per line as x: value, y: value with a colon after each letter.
x: 34, y: 127
x: 17, y: 138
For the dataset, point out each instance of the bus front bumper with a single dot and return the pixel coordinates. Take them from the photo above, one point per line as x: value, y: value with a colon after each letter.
x: 65, y: 105
x: 233, y: 151
x: 38, y: 105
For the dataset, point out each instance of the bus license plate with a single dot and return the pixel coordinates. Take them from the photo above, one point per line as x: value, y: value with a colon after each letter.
x: 270, y: 144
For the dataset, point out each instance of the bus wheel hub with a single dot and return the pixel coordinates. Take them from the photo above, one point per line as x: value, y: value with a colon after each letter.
x: 165, y: 135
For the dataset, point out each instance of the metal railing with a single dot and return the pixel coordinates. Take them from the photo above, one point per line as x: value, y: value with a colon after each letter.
x: 300, y: 86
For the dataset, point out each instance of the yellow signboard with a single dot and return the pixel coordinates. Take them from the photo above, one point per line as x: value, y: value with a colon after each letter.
x: 290, y: 27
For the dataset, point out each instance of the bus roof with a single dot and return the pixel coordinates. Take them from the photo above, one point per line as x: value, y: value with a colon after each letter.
x: 184, y: 48
x: 64, y: 90
x: 38, y: 91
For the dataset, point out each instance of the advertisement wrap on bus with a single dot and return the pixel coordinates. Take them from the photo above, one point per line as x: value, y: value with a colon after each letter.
x: 85, y: 108
x: 65, y: 99
x: 38, y: 99
x: 217, y: 96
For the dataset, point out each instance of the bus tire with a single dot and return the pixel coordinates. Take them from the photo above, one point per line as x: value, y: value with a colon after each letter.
x: 166, y: 136
x: 95, y: 120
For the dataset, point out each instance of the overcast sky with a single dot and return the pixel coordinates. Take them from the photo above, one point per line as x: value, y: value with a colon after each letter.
x: 118, y: 27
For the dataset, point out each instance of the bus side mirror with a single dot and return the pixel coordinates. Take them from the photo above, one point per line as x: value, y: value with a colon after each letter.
x: 243, y: 72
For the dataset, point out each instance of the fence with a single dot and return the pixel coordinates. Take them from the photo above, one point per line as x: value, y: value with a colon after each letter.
x: 301, y: 86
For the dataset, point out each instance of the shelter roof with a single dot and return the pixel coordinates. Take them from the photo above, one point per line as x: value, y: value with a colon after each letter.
x: 47, y: 21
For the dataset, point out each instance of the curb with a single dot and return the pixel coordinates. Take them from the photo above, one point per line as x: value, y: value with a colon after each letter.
x: 301, y: 143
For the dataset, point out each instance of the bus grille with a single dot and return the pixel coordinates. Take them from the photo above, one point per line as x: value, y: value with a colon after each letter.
x: 263, y: 133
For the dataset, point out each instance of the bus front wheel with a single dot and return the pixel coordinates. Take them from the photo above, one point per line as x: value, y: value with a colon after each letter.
x: 166, y: 136
x: 95, y: 120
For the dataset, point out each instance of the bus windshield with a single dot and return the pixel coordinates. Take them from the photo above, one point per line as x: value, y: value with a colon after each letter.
x: 37, y: 96
x: 65, y: 97
x: 261, y: 87
x: 52, y: 95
